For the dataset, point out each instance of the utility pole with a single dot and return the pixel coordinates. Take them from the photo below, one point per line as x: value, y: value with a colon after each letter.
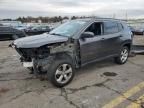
x: 126, y: 16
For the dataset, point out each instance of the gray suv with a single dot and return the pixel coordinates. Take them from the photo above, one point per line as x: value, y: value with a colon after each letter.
x: 73, y: 45
x: 9, y: 33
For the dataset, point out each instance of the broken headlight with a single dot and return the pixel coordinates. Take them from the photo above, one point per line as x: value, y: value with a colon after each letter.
x: 42, y: 52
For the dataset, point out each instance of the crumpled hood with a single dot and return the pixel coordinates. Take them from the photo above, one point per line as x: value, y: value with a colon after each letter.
x: 38, y: 40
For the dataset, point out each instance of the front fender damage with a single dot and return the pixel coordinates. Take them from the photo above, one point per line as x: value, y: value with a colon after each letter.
x: 69, y: 48
x: 41, y: 65
x: 55, y: 50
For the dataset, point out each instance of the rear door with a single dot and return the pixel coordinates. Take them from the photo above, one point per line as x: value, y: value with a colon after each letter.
x: 110, y: 38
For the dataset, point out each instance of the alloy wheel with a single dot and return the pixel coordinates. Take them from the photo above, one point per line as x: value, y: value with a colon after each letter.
x: 63, y: 73
x: 124, y: 55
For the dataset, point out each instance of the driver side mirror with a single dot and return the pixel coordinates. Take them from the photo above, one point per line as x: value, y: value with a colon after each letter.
x: 87, y: 35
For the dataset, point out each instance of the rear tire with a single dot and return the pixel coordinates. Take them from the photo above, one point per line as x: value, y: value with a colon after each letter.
x: 61, y: 72
x: 123, y: 56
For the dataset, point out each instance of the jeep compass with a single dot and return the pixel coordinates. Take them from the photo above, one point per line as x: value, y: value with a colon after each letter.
x: 73, y: 45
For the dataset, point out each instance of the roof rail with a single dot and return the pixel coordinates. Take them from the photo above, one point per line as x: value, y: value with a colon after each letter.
x: 101, y: 18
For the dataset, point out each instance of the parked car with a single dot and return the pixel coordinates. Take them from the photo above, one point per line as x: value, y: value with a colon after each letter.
x: 37, y: 30
x: 137, y: 31
x: 9, y: 33
x: 73, y: 45
x: 21, y: 27
x: 132, y: 29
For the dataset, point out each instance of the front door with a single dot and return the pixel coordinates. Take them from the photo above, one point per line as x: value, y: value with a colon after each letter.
x: 91, y: 48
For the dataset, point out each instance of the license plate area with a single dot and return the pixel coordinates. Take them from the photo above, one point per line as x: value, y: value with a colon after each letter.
x: 27, y: 64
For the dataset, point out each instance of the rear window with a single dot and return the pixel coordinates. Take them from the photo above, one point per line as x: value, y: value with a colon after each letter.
x: 110, y: 27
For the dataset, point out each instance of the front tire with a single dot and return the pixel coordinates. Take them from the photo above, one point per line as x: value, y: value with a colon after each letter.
x: 123, y: 56
x: 61, y: 72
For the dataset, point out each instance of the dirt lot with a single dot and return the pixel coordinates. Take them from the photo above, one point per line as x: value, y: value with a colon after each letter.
x: 103, y: 84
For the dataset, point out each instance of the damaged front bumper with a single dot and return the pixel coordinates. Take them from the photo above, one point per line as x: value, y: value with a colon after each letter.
x: 38, y: 65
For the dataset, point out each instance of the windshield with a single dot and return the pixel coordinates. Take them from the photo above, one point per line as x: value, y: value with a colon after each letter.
x: 68, y: 29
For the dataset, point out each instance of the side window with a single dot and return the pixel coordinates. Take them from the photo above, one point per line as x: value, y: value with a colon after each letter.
x: 96, y: 28
x: 110, y: 27
x: 120, y: 27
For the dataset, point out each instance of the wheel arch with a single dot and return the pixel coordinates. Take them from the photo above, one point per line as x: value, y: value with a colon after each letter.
x: 59, y: 58
x: 65, y: 55
x: 127, y: 44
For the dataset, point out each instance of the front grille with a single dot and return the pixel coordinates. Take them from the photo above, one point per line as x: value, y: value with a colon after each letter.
x: 25, y: 52
x: 33, y: 53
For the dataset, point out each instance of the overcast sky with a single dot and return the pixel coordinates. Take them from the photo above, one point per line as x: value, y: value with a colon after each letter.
x: 102, y: 8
